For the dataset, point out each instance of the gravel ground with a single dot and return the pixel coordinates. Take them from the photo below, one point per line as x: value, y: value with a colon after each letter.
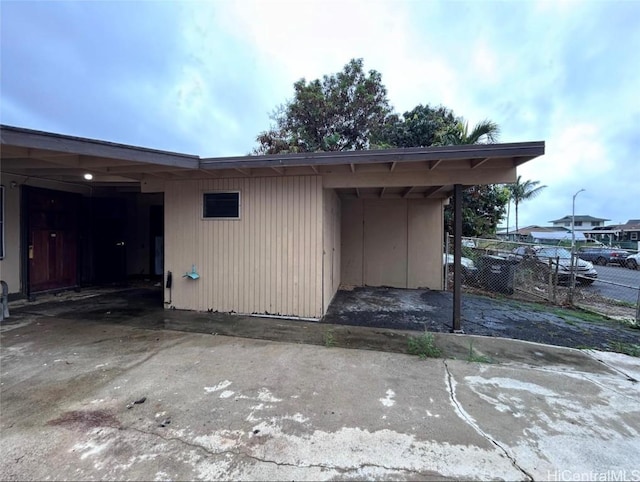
x: 432, y: 311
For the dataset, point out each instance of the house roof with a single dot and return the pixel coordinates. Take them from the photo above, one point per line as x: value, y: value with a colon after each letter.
x: 581, y: 218
x: 540, y: 229
x: 631, y: 225
x: 414, y: 172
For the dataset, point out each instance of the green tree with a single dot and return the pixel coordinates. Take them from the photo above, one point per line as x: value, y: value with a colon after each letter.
x: 483, y: 207
x: 418, y: 127
x: 340, y: 112
x: 521, y: 191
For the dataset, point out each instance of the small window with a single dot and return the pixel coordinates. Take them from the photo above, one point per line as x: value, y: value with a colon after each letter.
x: 578, y: 223
x: 595, y: 223
x: 634, y: 236
x: 221, y: 205
x: 567, y: 223
x: 1, y: 222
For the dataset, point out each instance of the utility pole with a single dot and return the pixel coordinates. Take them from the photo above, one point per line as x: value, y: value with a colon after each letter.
x: 572, y: 285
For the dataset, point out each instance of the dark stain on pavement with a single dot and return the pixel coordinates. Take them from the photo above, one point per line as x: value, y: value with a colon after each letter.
x: 86, y: 419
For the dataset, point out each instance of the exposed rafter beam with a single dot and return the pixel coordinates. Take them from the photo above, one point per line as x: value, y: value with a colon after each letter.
x: 431, y: 191
x: 353, y: 168
x: 207, y: 173
x: 393, y: 166
x: 244, y: 172
x: 279, y: 170
x: 402, y: 179
x: 478, y: 162
x: 382, y: 191
x: 434, y: 164
x: 357, y: 192
x: 408, y: 191
x: 315, y: 169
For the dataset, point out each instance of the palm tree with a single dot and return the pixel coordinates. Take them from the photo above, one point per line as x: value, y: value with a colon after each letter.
x: 485, y: 132
x: 523, y: 191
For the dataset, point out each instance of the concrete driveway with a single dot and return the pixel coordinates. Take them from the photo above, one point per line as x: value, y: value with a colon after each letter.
x: 217, y: 407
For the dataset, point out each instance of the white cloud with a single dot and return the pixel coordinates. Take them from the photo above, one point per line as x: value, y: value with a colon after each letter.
x: 562, y: 72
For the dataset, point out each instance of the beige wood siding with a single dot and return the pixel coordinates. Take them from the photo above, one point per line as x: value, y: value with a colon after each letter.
x: 385, y: 243
x: 392, y: 242
x: 425, y: 240
x: 268, y: 261
x: 331, y: 249
x: 10, y: 265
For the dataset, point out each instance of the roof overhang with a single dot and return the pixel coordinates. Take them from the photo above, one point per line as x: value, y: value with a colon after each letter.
x: 414, y: 172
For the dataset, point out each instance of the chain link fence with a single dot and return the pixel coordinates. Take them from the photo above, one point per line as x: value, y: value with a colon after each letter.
x: 600, y: 279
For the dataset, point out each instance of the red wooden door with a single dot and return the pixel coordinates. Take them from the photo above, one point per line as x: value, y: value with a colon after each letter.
x: 53, y: 239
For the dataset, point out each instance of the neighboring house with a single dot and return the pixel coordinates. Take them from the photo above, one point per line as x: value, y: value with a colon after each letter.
x: 582, y: 222
x: 626, y: 235
x: 523, y: 233
x: 273, y: 234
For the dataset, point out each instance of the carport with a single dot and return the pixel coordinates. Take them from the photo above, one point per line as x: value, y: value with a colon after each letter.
x: 74, y: 214
x: 299, y: 225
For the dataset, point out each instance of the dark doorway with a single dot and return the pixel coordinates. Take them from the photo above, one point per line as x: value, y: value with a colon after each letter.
x: 109, y: 228
x: 52, y: 237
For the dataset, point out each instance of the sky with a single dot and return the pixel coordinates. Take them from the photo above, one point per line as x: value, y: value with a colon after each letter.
x: 203, y: 77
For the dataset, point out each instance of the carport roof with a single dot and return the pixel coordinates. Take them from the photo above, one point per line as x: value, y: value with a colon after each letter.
x: 32, y: 153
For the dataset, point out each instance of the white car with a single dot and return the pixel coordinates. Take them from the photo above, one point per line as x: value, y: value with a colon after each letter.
x: 469, y: 270
x: 633, y: 261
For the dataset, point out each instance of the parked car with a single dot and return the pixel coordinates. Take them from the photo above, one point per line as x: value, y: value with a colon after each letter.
x: 633, y: 261
x: 604, y: 256
x: 469, y: 270
x: 546, y: 257
x: 468, y: 243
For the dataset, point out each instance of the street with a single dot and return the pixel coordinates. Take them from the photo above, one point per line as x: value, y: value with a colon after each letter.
x: 621, y: 276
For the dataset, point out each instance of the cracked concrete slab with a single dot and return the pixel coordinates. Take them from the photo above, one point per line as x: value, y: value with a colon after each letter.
x: 216, y: 407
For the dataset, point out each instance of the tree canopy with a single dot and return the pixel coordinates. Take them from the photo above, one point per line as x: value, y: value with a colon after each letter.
x: 340, y: 112
x: 419, y: 127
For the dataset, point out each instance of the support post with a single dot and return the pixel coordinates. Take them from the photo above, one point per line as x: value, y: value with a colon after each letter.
x: 457, y: 257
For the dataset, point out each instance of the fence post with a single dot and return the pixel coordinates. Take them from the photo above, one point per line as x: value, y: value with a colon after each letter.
x: 446, y: 263
x: 572, y: 276
x: 550, y: 287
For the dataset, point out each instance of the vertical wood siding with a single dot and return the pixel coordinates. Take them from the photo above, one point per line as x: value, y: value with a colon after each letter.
x: 332, y: 246
x: 268, y: 261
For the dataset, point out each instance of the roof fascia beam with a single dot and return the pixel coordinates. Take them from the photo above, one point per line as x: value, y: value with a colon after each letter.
x: 91, y: 147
